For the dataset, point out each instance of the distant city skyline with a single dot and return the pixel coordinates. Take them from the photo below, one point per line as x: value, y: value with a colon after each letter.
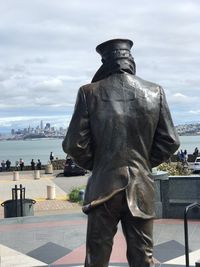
x: 47, y: 55
x: 37, y: 126
x: 62, y: 121
x: 42, y: 130
x: 41, y: 127
x: 182, y: 128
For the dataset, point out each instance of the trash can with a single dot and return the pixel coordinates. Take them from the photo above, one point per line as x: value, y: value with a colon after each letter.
x: 49, y: 169
x: 81, y: 194
x: 18, y: 208
x: 51, y: 192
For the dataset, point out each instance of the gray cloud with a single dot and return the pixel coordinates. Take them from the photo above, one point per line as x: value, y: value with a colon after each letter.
x: 47, y: 51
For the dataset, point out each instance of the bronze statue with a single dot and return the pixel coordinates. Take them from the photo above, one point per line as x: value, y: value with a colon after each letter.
x: 120, y: 129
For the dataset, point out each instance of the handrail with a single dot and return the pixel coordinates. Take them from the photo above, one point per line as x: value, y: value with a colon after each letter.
x: 191, y: 206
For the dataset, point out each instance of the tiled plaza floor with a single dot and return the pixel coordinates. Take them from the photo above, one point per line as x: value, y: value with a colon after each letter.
x: 57, y: 236
x: 59, y: 240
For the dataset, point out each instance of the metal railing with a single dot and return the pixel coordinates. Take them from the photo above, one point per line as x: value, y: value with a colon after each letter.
x: 187, y: 209
x: 21, y: 194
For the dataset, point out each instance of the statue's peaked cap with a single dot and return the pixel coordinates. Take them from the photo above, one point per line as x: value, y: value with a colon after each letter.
x: 105, y: 48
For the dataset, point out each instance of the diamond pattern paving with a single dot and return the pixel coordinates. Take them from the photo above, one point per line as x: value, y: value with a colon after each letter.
x: 49, y: 252
x: 60, y: 241
x: 168, y: 251
x: 12, y: 258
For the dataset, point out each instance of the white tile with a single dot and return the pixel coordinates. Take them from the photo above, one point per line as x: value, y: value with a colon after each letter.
x: 193, y: 257
x: 12, y: 258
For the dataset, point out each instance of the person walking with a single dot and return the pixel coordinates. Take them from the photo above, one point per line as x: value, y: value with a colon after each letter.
x: 21, y: 164
x: 39, y: 164
x: 185, y: 157
x: 182, y: 156
x: 3, y: 166
x: 8, y: 164
x: 51, y: 157
x: 196, y: 152
x: 16, y: 165
x: 120, y: 129
x: 32, y: 164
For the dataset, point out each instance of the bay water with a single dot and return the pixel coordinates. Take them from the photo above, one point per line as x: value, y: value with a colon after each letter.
x: 41, y: 148
x: 31, y: 149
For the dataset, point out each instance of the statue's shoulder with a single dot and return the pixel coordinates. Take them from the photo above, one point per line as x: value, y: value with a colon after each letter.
x: 87, y: 89
x: 115, y: 79
x: 141, y: 83
x: 89, y: 86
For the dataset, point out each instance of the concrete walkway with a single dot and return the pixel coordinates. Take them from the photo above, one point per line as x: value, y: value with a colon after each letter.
x: 37, y: 189
x: 57, y: 236
x: 59, y: 240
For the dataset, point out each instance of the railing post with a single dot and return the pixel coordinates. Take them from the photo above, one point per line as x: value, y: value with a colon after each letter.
x: 191, y: 206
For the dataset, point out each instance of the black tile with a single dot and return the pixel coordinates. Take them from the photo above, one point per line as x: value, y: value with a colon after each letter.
x: 75, y: 265
x: 117, y: 264
x: 49, y: 252
x: 168, y: 251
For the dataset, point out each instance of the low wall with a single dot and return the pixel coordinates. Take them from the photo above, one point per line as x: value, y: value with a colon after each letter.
x: 57, y: 165
x: 174, y: 193
x: 191, y: 158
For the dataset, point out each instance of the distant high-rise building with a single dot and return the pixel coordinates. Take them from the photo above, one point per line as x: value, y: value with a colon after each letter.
x: 48, y: 126
x: 41, y: 125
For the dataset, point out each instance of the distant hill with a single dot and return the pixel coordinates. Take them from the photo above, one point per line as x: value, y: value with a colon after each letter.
x: 188, y: 129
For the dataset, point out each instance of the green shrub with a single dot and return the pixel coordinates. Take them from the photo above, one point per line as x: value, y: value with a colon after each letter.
x: 74, y: 195
x: 174, y: 168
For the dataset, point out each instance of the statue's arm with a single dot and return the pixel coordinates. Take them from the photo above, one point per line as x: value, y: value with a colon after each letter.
x: 78, y: 142
x: 166, y: 140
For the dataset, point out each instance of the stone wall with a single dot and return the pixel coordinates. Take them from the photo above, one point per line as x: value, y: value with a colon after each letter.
x: 174, y: 193
x: 58, y: 164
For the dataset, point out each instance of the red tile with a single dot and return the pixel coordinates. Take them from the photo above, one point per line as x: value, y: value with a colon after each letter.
x: 119, y: 249
x: 77, y: 256
x: 14, y: 227
x: 118, y: 255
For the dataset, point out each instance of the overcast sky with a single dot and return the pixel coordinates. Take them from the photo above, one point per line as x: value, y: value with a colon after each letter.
x: 47, y: 51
